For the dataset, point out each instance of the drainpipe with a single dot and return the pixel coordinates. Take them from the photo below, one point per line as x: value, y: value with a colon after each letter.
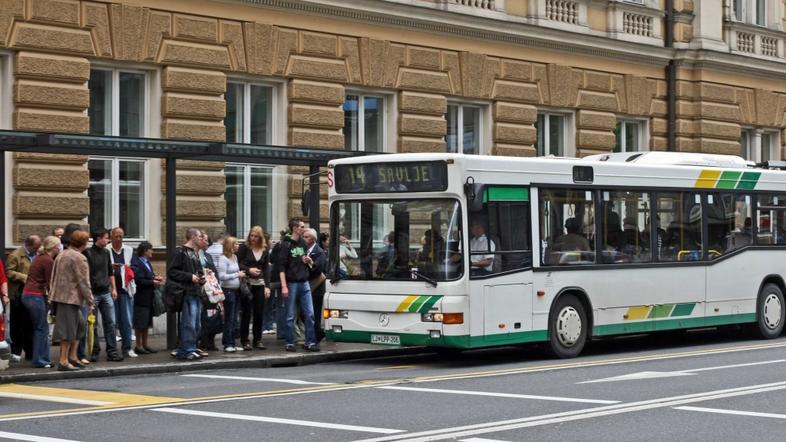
x: 671, y: 81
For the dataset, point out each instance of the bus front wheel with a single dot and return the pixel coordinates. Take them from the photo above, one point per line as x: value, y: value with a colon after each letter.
x: 770, y: 312
x: 567, y: 327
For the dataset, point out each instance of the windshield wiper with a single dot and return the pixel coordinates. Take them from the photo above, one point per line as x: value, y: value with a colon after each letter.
x: 417, y: 275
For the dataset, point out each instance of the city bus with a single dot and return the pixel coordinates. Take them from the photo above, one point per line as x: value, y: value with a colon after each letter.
x: 459, y: 251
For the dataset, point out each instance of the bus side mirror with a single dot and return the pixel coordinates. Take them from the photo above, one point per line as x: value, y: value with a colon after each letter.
x: 474, y: 192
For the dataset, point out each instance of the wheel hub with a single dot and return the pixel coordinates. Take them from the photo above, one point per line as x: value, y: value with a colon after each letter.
x: 772, y: 311
x: 568, y: 326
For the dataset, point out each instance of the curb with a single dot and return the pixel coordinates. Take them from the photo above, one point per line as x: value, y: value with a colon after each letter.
x: 202, y: 365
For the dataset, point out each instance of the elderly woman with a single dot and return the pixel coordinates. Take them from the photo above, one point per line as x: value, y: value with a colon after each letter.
x: 68, y: 290
x: 146, y: 283
x: 34, y: 299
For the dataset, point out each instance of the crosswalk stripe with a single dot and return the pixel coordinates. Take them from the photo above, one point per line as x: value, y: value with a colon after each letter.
x: 28, y: 437
x: 276, y: 420
x: 247, y: 378
x: 58, y: 399
x: 502, y: 395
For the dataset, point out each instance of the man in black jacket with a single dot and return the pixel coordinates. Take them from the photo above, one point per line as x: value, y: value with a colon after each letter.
x: 294, y: 264
x: 187, y: 271
x: 102, y: 283
x: 316, y: 278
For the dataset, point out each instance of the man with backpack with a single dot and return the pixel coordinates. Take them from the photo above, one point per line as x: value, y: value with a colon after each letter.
x: 293, y: 267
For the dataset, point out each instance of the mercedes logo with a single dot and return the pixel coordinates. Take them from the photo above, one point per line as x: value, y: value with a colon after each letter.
x: 384, y: 319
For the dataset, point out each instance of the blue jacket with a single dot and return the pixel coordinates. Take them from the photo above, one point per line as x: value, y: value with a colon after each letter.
x: 144, y: 283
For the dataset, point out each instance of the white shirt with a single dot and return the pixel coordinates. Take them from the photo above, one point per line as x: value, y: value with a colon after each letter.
x: 481, y: 244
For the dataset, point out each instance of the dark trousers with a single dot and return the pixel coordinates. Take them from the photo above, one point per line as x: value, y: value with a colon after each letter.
x: 253, y: 308
x: 21, y: 329
x: 317, y: 297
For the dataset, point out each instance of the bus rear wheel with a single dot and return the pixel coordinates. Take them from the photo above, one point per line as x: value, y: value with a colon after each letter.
x: 567, y: 327
x: 770, y: 312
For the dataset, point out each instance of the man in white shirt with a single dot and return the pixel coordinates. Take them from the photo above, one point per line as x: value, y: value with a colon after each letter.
x: 480, y: 264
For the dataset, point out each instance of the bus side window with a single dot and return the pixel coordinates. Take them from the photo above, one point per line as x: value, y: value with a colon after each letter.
x: 681, y: 213
x: 567, y: 226
x: 729, y: 223
x: 624, y: 227
x: 771, y: 220
x: 500, y: 233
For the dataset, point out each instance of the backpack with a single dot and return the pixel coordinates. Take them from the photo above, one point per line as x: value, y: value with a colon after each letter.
x: 173, y: 296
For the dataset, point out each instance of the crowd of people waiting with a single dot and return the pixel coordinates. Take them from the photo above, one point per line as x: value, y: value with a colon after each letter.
x: 216, y: 284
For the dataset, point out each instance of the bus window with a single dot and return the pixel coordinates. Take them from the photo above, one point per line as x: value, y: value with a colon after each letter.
x: 624, y: 227
x: 680, y: 213
x: 567, y: 227
x: 499, y: 233
x: 729, y: 225
x: 771, y: 220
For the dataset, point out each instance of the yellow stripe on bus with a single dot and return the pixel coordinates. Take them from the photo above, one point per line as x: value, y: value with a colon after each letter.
x: 636, y: 313
x: 708, y: 179
x: 407, y: 302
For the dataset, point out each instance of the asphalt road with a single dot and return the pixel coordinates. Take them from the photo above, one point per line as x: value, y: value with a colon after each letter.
x: 694, y: 386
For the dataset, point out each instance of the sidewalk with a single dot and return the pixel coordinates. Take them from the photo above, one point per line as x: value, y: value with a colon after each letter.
x: 163, y: 362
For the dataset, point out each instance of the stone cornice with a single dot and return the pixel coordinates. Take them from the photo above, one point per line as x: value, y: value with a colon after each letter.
x: 730, y: 63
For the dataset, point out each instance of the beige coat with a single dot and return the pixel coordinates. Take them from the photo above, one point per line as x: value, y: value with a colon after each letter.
x: 16, y: 270
x: 70, y: 282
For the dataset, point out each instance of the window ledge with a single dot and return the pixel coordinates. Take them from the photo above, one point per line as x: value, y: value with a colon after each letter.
x: 754, y: 41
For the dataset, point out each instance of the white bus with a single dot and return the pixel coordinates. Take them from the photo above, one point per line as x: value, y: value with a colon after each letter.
x: 464, y: 252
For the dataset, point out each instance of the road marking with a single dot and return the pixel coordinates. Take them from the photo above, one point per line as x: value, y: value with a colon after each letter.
x: 734, y: 412
x: 18, y: 436
x: 575, y: 415
x: 397, y: 367
x: 667, y: 374
x: 276, y: 420
x: 503, y: 395
x: 478, y: 439
x: 78, y: 397
x: 372, y: 384
x: 246, y: 378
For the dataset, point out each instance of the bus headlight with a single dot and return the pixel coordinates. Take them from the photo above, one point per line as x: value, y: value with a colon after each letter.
x: 445, y: 318
x: 335, y: 314
x: 431, y: 317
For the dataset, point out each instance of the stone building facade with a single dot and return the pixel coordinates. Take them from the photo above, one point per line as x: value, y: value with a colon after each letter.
x: 498, y: 77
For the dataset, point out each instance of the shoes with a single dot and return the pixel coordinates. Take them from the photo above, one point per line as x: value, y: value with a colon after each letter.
x: 84, y: 361
x: 75, y: 363
x: 202, y: 353
x: 140, y: 351
x: 149, y: 350
x: 312, y: 347
x: 268, y: 332
x: 197, y: 354
x: 94, y: 357
x: 173, y: 353
x: 189, y: 357
x: 43, y: 366
x: 259, y: 346
x: 247, y: 347
x: 229, y: 349
x: 238, y: 348
x: 114, y: 358
x: 15, y: 358
x: 289, y: 347
x: 69, y: 367
x: 131, y: 354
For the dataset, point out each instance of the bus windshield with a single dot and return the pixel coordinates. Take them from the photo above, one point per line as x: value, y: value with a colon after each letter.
x: 398, y: 239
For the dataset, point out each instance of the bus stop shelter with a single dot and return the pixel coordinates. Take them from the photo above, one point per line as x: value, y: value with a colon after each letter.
x: 171, y: 151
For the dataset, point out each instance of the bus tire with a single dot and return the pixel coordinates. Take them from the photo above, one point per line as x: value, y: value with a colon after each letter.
x: 568, y: 327
x: 770, y: 312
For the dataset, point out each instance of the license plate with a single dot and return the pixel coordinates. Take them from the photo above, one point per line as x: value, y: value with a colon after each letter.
x: 386, y: 339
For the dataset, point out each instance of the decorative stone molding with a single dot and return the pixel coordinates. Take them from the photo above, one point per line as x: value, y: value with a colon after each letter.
x: 638, y: 23
x: 568, y: 15
x: 754, y: 41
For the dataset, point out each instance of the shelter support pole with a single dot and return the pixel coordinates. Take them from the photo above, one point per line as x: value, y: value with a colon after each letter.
x: 313, y: 187
x: 171, y: 240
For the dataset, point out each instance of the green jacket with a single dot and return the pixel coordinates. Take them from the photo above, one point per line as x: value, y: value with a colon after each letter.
x: 16, y: 270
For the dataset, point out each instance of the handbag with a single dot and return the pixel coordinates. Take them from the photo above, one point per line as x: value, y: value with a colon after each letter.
x: 173, y: 296
x: 317, y: 281
x: 159, y: 308
x: 211, y: 290
x: 245, y: 291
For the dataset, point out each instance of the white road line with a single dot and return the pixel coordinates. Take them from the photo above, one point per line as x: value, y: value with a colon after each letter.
x: 247, y: 378
x: 575, y: 415
x: 721, y: 367
x: 478, y: 439
x: 18, y: 436
x: 276, y: 420
x: 734, y: 412
x: 45, y: 398
x: 667, y: 374
x: 503, y: 395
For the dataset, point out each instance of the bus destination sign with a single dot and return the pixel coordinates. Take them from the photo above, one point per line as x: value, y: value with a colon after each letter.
x: 427, y: 176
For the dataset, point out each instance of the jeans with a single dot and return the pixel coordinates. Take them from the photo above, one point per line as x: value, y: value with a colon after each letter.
x: 106, y: 306
x: 124, y: 309
x: 81, y: 352
x: 20, y: 334
x: 269, y: 315
x: 190, y: 325
x: 299, y: 292
x: 230, y: 316
x: 37, y: 308
x: 253, y: 308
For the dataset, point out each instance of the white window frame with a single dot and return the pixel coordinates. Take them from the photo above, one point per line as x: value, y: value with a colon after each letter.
x: 247, y: 197
x: 387, y: 132
x: 754, y: 144
x: 642, y: 132
x: 569, y: 149
x: 115, y: 183
x: 275, y: 99
x: 115, y: 91
x: 482, y: 129
x: 6, y: 88
x: 747, y: 11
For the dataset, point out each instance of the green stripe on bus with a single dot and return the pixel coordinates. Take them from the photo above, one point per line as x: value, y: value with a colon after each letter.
x: 671, y: 324
x: 728, y: 180
x: 748, y: 180
x: 506, y: 194
x: 415, y: 306
x: 463, y: 341
x: 661, y: 311
x: 683, y: 309
x: 430, y: 303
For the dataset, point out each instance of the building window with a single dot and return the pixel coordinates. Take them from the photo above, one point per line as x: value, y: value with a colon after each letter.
x: 249, y: 117
x: 750, y: 11
x: 364, y: 123
x: 629, y: 136
x: 117, y: 192
x: 117, y: 103
x: 249, y: 198
x: 464, y: 128
x: 551, y: 130
x: 759, y: 145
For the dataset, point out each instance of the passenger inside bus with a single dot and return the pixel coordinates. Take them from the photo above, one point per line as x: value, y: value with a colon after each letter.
x: 572, y: 241
x: 480, y: 264
x: 386, y: 258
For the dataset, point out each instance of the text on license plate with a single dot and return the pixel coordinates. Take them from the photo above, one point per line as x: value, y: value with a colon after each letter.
x: 386, y: 339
